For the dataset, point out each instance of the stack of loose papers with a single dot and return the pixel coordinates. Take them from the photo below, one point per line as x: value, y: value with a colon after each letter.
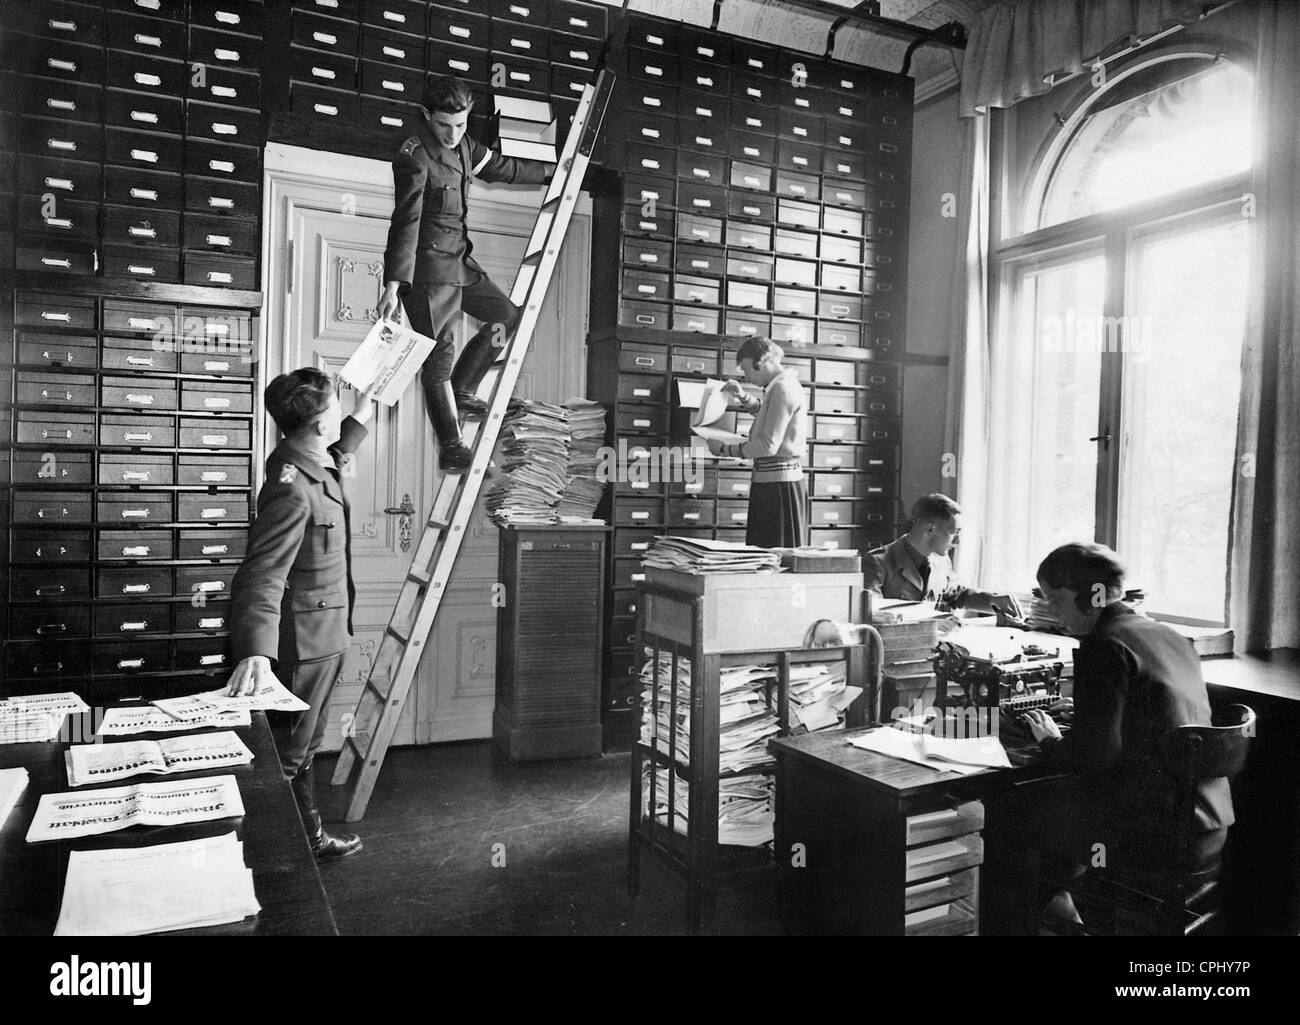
x: 138, y: 890
x: 148, y: 719
x: 169, y: 803
x: 699, y: 555
x: 583, y: 487
x: 197, y: 708
x: 12, y: 783
x: 36, y: 718
x: 100, y: 763
x: 534, y: 455
x: 891, y: 611
x: 819, y: 695
x: 940, y: 753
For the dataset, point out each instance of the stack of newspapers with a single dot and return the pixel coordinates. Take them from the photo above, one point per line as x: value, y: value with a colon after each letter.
x: 534, y: 454
x: 583, y: 487
x: 700, y: 555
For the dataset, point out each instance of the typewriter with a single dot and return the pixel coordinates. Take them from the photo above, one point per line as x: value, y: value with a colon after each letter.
x: 985, y: 670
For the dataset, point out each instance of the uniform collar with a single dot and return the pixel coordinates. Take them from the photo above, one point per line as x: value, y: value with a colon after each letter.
x: 288, y: 452
x: 905, y: 563
x: 436, y: 150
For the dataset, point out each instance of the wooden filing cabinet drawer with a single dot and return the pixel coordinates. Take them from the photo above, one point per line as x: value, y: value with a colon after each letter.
x: 518, y: 39
x: 641, y: 420
x: 843, y: 221
x: 115, y: 545
x: 703, y: 199
x: 223, y: 160
x: 688, y: 289
x: 143, y: 431
x: 142, y: 319
x: 45, y: 468
x: 799, y: 156
x: 49, y: 621
x: 701, y: 260
x: 696, y: 110
x: 690, y: 512
x: 213, y: 544
x: 639, y: 284
x: 328, y: 70
x: 522, y: 74
x: 72, y: 22
x: 138, y: 581
x: 337, y: 108
x: 795, y: 302
x: 73, y: 352
x: 642, y: 388
x: 136, y: 149
x: 145, y: 190
x: 834, y: 539
x: 798, y: 215
x: 220, y: 271
x: 734, y: 484
x: 233, y: 359
x: 652, y: 65
x: 222, y: 507
x: 214, y: 471
x: 834, y: 278
x: 839, y: 333
x: 628, y: 572
x: 704, y: 321
x: 399, y: 15
x: 705, y: 77
x: 835, y: 513
x: 73, y: 179
x: 136, y: 469
x: 752, y: 117
x: 392, y: 81
x: 790, y: 242
x: 841, y: 372
x: 928, y: 861
x: 62, y: 218
x: 329, y: 34
x: 752, y: 206
x: 207, y: 618
x: 946, y: 823
x: 700, y: 168
x: 139, y: 392
x: 633, y: 543
x: 747, y: 295
x: 747, y: 325
x: 220, y: 234
x: 137, y: 354
x: 649, y: 195
x: 385, y: 115
x: 141, y: 226
x: 347, y: 10
x: 215, y: 433
x: 583, y: 19
x: 222, y: 124
x: 841, y: 250
x: 651, y: 129
x: 133, y: 619
x: 732, y: 513
x: 224, y: 49
x: 943, y: 890
x: 694, y: 361
x: 751, y: 148
x: 145, y: 112
x: 634, y: 313
x: 202, y: 653
x: 133, y: 507
x: 643, y: 357
x: 835, y: 485
x: 800, y: 273
x: 632, y: 511
x: 706, y: 230
x: 835, y: 306
x: 467, y: 62
x: 460, y: 27
x: 141, y: 263
x: 42, y: 428
x: 34, y: 388
x: 749, y: 236
x: 147, y: 657
x: 798, y: 186
x: 637, y: 220
x: 746, y: 175
x: 792, y: 330
x: 228, y: 15
x: 653, y: 160
x: 157, y: 36
x: 392, y: 48
x: 575, y: 51
x: 71, y: 256
x: 836, y: 456
x: 211, y: 580
x: 57, y: 138
x: 45, y: 508
x: 648, y: 253
x: 843, y: 164
x: 801, y: 127
x: 49, y: 582
x: 47, y: 660
x: 61, y: 58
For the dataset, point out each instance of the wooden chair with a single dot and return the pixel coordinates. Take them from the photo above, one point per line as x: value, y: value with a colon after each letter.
x: 1181, y: 898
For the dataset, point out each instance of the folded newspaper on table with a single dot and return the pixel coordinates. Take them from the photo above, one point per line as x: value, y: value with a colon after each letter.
x: 387, y: 360
x: 168, y: 803
x: 12, y: 784
x: 100, y: 763
x: 36, y: 718
x: 137, y: 890
x: 268, y: 696
x: 147, y: 719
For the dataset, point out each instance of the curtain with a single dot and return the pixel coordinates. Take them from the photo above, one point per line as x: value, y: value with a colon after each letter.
x: 1018, y: 48
x: 1263, y: 609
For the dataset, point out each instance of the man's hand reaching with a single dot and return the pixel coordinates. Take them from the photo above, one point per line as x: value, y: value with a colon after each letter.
x: 390, y: 307
x: 249, y: 675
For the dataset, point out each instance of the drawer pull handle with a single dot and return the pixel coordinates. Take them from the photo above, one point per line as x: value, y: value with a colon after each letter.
x: 643, y: 289
x: 141, y: 323
x: 140, y: 361
x: 325, y: 108
x: 50, y: 261
x: 640, y: 516
x: 393, y: 51
x: 459, y: 31
x: 224, y: 166
x: 214, y: 365
x: 66, y: 396
x: 738, y: 517
x: 41, y: 592
x: 55, y: 513
x: 640, y: 485
x: 47, y: 667
x: 138, y: 268
x: 327, y: 3
x: 136, y: 551
x: 212, y: 623
x: 648, y: 257
x: 644, y: 318
x: 210, y: 585
x: 60, y: 183
x: 221, y: 277
x: 390, y: 121
x: 136, y: 588
x: 396, y: 16
x: 211, y: 660
x: 141, y: 78
x: 139, y: 398
x: 579, y: 55
x: 139, y: 232
x: 135, y: 626
x: 43, y: 552
x: 226, y: 55
x: 221, y: 203
x: 641, y: 393
x: 637, y: 578
x: 130, y: 663
x: 61, y: 65
x: 222, y: 128
x: 229, y: 17
x: 215, y: 439
x: 141, y: 436
x: 148, y: 156
x: 393, y: 86
x: 458, y: 65
x: 640, y: 546
x: 219, y: 402
x: 46, y: 434
x: 51, y: 628
x: 135, y: 514
x: 213, y: 514
x: 213, y: 476
x: 690, y: 516
x: 64, y: 144
x: 215, y: 549
x: 135, y: 475
x: 651, y: 101
x: 706, y: 204
x: 326, y: 38
x: 62, y: 26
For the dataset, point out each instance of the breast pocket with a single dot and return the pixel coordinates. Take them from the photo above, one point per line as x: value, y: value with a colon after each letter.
x: 324, y: 533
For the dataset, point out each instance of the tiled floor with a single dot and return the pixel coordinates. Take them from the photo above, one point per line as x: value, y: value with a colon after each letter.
x: 557, y: 831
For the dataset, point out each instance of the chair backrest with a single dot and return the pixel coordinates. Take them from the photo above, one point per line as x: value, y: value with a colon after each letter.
x: 1194, y: 753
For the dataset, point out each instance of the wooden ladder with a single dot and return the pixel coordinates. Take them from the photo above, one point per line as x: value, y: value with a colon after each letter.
x: 391, y: 674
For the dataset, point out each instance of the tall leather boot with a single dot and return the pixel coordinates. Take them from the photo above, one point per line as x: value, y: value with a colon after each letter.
x: 323, y: 846
x: 470, y: 368
x: 454, y: 456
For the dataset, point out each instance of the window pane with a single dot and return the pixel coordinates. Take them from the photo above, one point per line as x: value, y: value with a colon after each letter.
x: 1173, y: 136
x: 1182, y: 377
x: 1044, y: 466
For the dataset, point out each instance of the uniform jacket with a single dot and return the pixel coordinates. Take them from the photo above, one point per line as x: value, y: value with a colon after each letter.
x: 292, y: 596
x: 427, y: 238
x: 1134, y: 680
x: 891, y: 573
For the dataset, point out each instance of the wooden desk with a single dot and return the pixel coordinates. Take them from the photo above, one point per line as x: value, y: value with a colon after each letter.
x: 865, y: 844
x: 285, y: 878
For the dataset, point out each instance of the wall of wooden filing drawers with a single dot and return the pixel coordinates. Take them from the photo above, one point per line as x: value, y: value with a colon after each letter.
x: 764, y: 192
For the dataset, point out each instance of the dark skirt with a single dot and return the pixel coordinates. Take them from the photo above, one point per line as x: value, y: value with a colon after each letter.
x: 778, y: 515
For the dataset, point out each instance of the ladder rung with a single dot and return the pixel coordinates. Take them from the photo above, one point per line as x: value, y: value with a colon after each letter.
x: 374, y: 689
x: 403, y: 641
x: 416, y: 577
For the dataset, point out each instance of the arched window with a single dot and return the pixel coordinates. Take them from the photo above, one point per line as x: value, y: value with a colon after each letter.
x: 1120, y: 315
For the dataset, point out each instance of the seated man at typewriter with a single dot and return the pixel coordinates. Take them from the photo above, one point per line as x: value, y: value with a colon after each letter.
x: 1134, y: 679
x: 916, y: 567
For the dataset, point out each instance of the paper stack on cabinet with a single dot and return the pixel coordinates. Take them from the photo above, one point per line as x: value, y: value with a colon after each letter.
x: 583, y: 486
x: 700, y: 555
x: 819, y: 695
x: 534, y: 456
x: 139, y: 890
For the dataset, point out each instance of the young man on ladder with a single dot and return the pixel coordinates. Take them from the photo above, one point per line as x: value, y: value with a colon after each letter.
x: 428, y: 263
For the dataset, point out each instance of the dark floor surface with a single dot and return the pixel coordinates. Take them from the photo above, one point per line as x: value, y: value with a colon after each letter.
x: 430, y: 836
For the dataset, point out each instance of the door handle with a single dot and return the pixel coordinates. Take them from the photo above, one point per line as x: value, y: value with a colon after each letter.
x: 406, y: 510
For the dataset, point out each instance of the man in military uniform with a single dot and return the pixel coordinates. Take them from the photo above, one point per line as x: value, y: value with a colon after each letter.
x: 292, y: 596
x: 428, y: 262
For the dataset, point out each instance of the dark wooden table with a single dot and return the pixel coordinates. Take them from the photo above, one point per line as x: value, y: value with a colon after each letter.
x: 285, y: 878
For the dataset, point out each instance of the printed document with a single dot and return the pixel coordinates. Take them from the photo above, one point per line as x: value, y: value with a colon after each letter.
x: 101, y: 763
x: 387, y: 360
x: 67, y: 816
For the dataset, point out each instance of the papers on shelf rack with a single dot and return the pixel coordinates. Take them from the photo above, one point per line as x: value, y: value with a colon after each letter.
x: 387, y: 360
x: 12, y: 784
x: 36, y: 718
x: 138, y: 890
x: 939, y: 753
x: 699, y: 555
x: 168, y: 803
x: 897, y: 610
x: 268, y: 696
x: 100, y: 763
x: 147, y: 719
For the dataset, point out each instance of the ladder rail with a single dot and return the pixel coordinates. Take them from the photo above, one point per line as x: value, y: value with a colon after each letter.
x: 457, y: 495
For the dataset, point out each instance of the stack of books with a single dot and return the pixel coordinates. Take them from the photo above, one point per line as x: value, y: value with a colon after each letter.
x: 534, y: 453
x: 583, y: 486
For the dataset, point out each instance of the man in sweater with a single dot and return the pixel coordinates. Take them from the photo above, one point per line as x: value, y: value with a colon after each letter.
x: 777, y: 443
x: 428, y: 263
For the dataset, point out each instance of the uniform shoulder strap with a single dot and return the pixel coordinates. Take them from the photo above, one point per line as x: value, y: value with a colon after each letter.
x: 410, y: 146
